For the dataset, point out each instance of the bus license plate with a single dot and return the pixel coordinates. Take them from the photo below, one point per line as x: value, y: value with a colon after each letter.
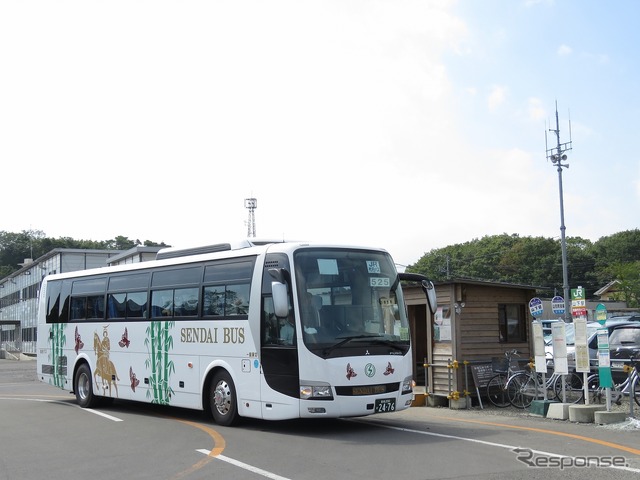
x: 384, y: 405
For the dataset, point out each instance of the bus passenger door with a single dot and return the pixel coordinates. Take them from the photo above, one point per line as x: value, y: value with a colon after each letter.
x: 279, y: 354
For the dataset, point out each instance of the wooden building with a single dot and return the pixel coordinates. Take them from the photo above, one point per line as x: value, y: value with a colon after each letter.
x: 475, y: 321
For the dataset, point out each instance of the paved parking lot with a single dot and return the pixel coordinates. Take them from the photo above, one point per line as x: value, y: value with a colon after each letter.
x: 24, y: 371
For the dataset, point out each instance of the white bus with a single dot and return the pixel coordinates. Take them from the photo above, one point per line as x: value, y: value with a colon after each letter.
x: 270, y: 330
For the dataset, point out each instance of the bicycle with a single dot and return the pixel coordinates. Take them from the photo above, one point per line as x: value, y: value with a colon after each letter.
x: 524, y: 387
x: 496, y: 387
x: 573, y: 388
x: 630, y: 384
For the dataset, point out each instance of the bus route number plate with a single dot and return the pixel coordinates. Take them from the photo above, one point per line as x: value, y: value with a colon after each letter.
x: 384, y: 405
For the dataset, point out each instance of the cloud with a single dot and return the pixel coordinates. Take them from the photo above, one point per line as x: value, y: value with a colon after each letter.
x: 599, y: 58
x: 536, y: 110
x: 496, y: 97
x: 564, y: 50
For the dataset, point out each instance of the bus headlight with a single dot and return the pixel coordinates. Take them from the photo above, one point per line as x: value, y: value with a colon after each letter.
x: 316, y: 392
x: 407, y: 385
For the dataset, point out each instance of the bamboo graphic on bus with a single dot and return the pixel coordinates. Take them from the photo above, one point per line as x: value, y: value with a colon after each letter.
x: 158, y: 343
x: 58, y: 340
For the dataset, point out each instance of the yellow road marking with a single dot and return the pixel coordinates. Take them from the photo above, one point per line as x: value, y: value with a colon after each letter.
x: 218, y: 442
x: 616, y: 446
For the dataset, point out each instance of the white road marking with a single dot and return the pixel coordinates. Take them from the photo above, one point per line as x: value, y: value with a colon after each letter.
x: 483, y: 442
x: 90, y: 410
x: 246, y: 466
x: 102, y: 414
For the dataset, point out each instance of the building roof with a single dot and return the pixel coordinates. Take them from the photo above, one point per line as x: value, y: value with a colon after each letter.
x: 607, y: 288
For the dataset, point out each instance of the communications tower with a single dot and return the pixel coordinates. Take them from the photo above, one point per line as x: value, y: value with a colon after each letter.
x: 251, y: 204
x: 557, y: 155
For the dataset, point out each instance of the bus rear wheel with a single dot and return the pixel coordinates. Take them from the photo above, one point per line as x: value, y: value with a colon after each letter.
x: 223, y: 400
x: 83, y: 387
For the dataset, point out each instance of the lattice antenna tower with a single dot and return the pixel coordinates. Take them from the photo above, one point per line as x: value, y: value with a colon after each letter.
x: 251, y: 204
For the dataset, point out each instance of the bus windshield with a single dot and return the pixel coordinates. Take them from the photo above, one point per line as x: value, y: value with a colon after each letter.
x: 350, y: 299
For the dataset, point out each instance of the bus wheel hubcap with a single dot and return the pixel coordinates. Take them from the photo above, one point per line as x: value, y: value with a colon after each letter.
x: 83, y: 386
x: 222, y: 397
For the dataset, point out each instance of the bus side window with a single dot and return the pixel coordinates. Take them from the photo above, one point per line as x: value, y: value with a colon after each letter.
x: 78, y: 308
x: 186, y: 302
x: 116, y: 305
x: 95, y: 306
x: 237, y: 299
x: 161, y: 303
x: 270, y: 329
x: 213, y: 300
x: 136, y: 304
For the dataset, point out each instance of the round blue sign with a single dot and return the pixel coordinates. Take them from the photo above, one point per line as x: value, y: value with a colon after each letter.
x: 535, y: 307
x: 557, y: 305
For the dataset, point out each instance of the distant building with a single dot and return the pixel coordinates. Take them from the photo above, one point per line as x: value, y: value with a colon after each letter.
x: 19, y: 291
x: 610, y: 291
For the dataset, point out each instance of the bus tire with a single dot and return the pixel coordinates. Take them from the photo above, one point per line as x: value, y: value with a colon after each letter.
x: 83, y: 387
x: 223, y: 400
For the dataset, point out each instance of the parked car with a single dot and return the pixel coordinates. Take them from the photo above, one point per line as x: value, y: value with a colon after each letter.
x: 592, y: 341
x: 570, y: 340
x: 624, y: 343
x: 547, y: 335
x: 633, y: 317
x: 546, y: 329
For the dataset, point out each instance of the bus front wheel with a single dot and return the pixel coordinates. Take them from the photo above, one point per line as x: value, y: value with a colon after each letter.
x: 83, y: 387
x: 223, y: 400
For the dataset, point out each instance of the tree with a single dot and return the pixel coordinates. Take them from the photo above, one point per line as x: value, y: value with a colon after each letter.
x: 628, y: 274
x: 15, y: 247
x: 621, y: 247
x: 535, y: 261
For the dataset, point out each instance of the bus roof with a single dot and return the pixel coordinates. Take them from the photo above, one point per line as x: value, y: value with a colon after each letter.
x: 174, y: 252
x: 176, y: 256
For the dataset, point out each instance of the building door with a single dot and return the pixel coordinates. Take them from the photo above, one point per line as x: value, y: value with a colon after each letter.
x: 420, y: 340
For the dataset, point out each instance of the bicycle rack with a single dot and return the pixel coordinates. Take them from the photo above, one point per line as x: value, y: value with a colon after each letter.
x: 628, y: 369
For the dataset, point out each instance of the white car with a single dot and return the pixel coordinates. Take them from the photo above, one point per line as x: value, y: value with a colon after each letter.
x: 570, y: 341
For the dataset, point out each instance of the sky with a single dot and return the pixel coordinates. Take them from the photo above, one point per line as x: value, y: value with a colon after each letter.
x: 406, y: 125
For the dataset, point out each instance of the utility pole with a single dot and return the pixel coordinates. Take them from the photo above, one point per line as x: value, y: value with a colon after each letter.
x: 557, y: 155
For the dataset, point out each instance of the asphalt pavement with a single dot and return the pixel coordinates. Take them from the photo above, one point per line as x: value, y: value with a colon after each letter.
x: 18, y: 371
x: 24, y: 372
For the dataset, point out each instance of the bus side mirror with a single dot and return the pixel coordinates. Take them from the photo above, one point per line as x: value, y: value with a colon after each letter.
x: 279, y: 292
x: 280, y: 299
x: 430, y: 290
x: 427, y: 287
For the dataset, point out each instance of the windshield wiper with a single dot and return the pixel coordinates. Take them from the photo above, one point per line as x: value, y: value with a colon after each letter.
x: 374, y: 339
x: 389, y: 343
x: 344, y: 340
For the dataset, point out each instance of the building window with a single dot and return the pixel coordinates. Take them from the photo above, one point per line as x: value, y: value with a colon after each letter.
x: 512, y: 323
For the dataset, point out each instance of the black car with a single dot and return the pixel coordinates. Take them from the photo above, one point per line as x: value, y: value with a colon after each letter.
x: 624, y: 343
